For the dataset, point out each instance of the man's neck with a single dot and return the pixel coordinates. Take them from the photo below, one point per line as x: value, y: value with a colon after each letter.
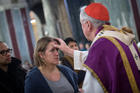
x: 4, y: 67
x: 99, y: 29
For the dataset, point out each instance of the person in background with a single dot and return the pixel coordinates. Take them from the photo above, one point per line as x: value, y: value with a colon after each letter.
x: 27, y: 66
x: 68, y: 61
x: 113, y: 61
x: 87, y: 46
x: 81, y: 47
x: 12, y: 75
x: 48, y: 76
x: 138, y: 44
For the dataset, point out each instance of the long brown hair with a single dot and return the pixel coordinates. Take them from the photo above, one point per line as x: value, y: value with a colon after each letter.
x: 41, y: 46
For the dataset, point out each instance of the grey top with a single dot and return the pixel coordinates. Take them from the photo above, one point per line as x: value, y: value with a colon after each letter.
x: 60, y: 86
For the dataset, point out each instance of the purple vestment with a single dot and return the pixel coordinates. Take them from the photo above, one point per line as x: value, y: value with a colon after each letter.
x: 105, y: 60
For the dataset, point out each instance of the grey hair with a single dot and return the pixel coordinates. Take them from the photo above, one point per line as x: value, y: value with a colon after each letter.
x: 84, y: 17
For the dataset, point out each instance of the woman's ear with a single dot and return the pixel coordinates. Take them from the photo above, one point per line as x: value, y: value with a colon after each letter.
x: 41, y: 55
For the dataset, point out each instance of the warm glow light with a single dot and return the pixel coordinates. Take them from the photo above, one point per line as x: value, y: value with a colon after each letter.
x: 46, y: 33
x: 33, y: 21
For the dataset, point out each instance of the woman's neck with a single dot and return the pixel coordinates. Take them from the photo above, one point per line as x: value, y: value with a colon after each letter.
x: 48, y: 68
x: 50, y: 72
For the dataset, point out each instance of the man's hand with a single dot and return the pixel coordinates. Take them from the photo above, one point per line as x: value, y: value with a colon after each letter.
x: 63, y: 47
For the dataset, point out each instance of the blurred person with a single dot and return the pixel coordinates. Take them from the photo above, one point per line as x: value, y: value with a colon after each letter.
x: 87, y: 46
x: 113, y: 61
x: 27, y: 66
x: 138, y: 44
x: 68, y: 61
x: 12, y: 75
x: 48, y: 76
x: 81, y: 47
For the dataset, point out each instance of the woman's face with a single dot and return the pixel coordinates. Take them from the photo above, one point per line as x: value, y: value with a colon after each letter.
x: 51, y: 55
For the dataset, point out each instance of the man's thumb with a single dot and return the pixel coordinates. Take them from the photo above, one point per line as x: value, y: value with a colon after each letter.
x: 57, y: 46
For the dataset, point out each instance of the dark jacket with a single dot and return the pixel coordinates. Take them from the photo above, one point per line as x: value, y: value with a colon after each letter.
x: 12, y: 81
x: 68, y: 61
x: 35, y: 82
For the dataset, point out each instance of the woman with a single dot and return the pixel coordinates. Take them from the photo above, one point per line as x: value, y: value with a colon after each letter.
x: 48, y: 76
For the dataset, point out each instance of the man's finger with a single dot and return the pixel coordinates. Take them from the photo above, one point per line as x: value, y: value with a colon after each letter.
x: 60, y: 40
x: 57, y: 46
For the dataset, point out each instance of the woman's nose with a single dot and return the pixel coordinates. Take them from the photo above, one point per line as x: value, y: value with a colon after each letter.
x: 56, y: 52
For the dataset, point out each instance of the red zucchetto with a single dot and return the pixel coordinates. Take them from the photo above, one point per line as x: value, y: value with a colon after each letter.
x: 97, y: 11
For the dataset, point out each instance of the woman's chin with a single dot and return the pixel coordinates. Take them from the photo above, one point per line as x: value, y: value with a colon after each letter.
x: 56, y: 62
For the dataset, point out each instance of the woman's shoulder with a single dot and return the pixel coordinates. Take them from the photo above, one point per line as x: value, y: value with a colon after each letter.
x: 33, y: 71
x: 62, y: 67
x: 66, y: 70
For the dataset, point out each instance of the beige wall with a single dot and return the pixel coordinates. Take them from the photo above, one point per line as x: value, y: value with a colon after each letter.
x: 56, y: 18
x: 65, y: 26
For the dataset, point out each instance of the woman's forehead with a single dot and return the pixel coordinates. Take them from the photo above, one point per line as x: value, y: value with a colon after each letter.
x: 52, y: 43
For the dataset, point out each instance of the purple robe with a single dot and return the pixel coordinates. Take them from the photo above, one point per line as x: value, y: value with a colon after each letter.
x: 105, y: 60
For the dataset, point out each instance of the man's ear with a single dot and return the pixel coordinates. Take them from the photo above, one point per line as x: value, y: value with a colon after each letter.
x: 90, y: 26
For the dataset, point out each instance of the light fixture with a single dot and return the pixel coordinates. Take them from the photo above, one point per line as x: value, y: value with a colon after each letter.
x: 33, y: 21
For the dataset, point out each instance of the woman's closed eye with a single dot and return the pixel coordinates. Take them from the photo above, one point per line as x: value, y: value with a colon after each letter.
x: 53, y: 49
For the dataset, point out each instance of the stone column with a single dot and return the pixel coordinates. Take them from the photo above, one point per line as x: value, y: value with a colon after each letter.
x: 50, y: 18
x: 15, y: 28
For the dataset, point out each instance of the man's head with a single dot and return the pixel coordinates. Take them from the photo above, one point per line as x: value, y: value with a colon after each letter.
x: 5, y: 54
x: 81, y: 46
x: 71, y: 43
x: 92, y: 17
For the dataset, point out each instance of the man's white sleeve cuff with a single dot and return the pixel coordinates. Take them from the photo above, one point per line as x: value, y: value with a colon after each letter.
x: 79, y: 59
